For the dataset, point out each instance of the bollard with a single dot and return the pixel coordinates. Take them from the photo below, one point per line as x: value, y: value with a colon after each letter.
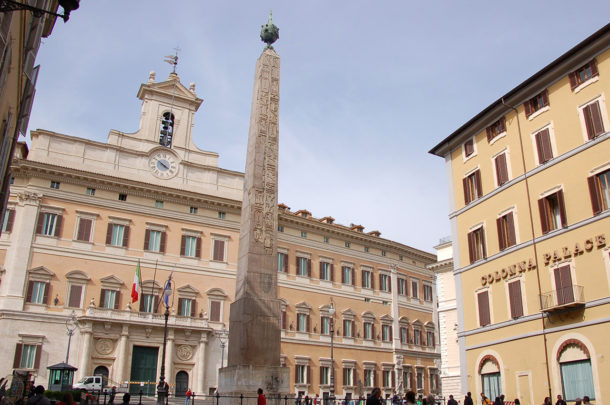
x: 192, y: 398
x: 105, y: 393
x: 217, y: 397
x: 140, y: 403
x: 241, y: 399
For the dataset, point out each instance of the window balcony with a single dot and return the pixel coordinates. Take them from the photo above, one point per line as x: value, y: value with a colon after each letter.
x: 567, y: 297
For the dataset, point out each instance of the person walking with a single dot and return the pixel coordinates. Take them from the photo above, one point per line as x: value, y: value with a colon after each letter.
x: 410, y: 396
x: 452, y: 401
x: 38, y: 398
x: 262, y: 400
x: 187, y: 399
x: 585, y: 400
x: 374, y: 398
x: 468, y: 399
x: 112, y: 395
x: 560, y: 400
x: 126, y: 398
x: 485, y: 400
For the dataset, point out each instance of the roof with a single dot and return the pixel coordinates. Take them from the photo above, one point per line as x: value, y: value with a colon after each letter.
x: 441, y: 148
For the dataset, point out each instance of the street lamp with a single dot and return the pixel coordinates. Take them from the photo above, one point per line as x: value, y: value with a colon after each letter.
x: 222, y: 336
x: 331, y: 312
x: 71, y: 326
x: 6, y: 6
x: 163, y: 387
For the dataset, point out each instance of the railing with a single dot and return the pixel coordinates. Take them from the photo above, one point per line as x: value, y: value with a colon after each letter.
x: 569, y: 296
x: 147, y: 317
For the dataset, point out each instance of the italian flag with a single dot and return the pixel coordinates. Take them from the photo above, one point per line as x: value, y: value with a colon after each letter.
x: 137, y: 281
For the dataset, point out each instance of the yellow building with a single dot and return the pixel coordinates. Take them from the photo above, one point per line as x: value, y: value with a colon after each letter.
x: 84, y: 214
x: 529, y: 184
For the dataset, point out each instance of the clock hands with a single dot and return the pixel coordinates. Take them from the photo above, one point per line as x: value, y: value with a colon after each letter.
x: 163, y: 163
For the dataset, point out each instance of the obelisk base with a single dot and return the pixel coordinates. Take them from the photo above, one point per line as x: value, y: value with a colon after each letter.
x: 237, y: 380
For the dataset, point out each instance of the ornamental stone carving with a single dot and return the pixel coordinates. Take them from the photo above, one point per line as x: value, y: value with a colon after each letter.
x: 184, y: 352
x: 104, y: 346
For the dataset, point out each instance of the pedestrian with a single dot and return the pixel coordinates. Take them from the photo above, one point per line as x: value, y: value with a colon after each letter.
x: 560, y: 401
x: 374, y: 398
x: 316, y: 400
x: 502, y: 399
x: 497, y: 401
x: 38, y: 398
x: 452, y: 401
x: 517, y: 402
x: 126, y: 398
x: 262, y: 400
x: 430, y: 400
x: 410, y: 398
x: 547, y: 401
x: 578, y: 401
x: 66, y: 399
x: 585, y: 400
x: 468, y: 399
x: 484, y: 399
x: 187, y: 400
x: 112, y: 395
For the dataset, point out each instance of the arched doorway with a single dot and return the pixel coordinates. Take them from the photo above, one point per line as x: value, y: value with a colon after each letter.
x: 182, y: 383
x: 103, y: 371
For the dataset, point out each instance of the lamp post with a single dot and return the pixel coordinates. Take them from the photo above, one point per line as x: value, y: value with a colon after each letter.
x: 222, y: 336
x: 331, y: 312
x: 71, y: 326
x: 12, y: 5
x: 162, y: 387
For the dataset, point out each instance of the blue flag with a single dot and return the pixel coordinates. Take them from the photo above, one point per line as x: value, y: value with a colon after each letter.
x: 167, y: 291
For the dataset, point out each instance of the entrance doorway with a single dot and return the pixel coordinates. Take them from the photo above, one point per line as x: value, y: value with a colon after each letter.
x: 182, y: 383
x: 143, y: 370
x: 103, y: 371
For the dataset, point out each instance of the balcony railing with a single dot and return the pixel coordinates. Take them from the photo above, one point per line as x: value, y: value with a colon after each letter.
x: 571, y: 296
x: 104, y: 314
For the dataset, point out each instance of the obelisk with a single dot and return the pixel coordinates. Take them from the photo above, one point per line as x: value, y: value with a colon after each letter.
x: 254, y: 331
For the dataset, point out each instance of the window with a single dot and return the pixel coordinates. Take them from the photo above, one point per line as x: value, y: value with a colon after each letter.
x: 347, y: 244
x: 193, y: 210
x: 369, y: 378
x: 417, y: 337
x: 326, y: 239
x: 427, y: 293
x: 90, y: 191
x: 38, y: 292
x: 222, y: 215
x: 347, y: 275
x: 282, y: 262
x: 536, y: 103
x: 368, y: 330
x: 387, y: 378
x: 402, y: 286
x: 469, y: 147
x: 326, y: 270
x: 599, y: 190
x: 158, y: 204
x: 300, y: 374
x: 563, y: 285
x: 506, y: 231
x: 122, y: 197
x: 430, y: 338
x: 149, y: 303
x: 109, y: 299
x: 303, y: 266
x: 491, y: 381
x: 386, y: 333
x: 167, y: 129
x: 366, y: 249
x: 280, y: 228
x: 324, y: 375
x: 8, y: 221
x: 415, y: 289
x: 501, y: 169
x: 325, y: 325
x: 154, y: 240
x: 302, y: 323
x: 383, y: 253
x: 55, y: 185
x: 303, y: 234
x: 420, y: 379
x: 117, y: 235
x: 367, y: 278
x: 27, y: 356
x: 49, y: 224
x: 404, y: 335
x: 582, y: 74
x: 476, y: 245
x: 83, y: 229
x: 75, y: 296
x: 186, y: 307
x: 593, y: 119
x: 472, y: 187
x: 577, y: 380
x: 483, y: 301
x: 384, y: 282
x: 215, y: 311
x: 348, y: 374
x: 516, y: 302
x: 552, y: 212
x: 219, y: 248
x: 284, y: 320
x: 495, y: 129
x: 543, y: 146
x: 190, y: 246
x: 348, y: 328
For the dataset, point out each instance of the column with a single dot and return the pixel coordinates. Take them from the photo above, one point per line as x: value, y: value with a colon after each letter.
x: 17, y: 259
x: 200, y: 386
x: 122, y: 355
x: 169, y: 357
x: 85, y: 355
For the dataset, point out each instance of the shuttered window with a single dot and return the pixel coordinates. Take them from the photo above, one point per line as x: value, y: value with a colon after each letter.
x: 117, y: 235
x: 563, y: 285
x: 495, y: 129
x: 476, y: 245
x: 584, y: 73
x: 76, y: 292
x: 49, y: 224
x: 516, y: 301
x: 27, y: 356
x: 282, y: 262
x: 552, y: 212
x: 599, y: 191
x: 483, y: 301
x: 536, y: 103
x: 501, y: 169
x: 593, y: 120
x: 190, y: 246
x: 469, y: 147
x: 154, y: 241
x: 473, y: 188
x: 543, y: 146
x: 83, y: 232
x: 303, y: 266
x: 38, y: 292
x: 219, y: 250
x: 109, y: 298
x: 215, y: 311
x: 9, y: 220
x: 186, y: 307
x: 506, y: 231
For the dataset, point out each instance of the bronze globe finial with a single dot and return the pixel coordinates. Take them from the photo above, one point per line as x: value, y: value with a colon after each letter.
x: 269, y: 32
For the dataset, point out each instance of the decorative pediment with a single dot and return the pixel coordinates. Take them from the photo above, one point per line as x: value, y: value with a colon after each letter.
x: 217, y: 293
x: 78, y: 275
x: 429, y: 325
x: 348, y: 313
x: 111, y: 281
x: 417, y: 322
x: 303, y: 305
x: 171, y: 88
x: 386, y: 318
x: 187, y: 289
x: 151, y: 286
x: 403, y: 320
x: 283, y: 304
x: 368, y: 315
x: 40, y: 273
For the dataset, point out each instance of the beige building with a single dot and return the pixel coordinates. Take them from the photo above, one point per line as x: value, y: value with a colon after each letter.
x: 83, y: 215
x: 529, y: 186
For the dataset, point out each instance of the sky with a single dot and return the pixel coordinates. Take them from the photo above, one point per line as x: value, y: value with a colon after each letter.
x: 366, y: 88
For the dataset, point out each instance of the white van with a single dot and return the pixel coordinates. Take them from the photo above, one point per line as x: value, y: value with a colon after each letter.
x: 91, y: 383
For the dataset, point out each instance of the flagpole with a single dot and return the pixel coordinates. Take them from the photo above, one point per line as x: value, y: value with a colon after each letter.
x: 152, y: 289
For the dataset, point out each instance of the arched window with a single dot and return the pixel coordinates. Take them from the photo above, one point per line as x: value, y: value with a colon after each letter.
x: 491, y: 380
x: 576, y: 374
x: 167, y: 130
x: 103, y: 371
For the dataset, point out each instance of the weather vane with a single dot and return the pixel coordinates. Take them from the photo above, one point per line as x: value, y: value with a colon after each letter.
x: 269, y: 32
x: 173, y: 59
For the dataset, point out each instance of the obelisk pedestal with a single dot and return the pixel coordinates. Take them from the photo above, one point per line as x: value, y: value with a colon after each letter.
x: 254, y: 331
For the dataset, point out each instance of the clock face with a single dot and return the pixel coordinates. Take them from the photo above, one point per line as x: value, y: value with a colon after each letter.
x: 163, y: 165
